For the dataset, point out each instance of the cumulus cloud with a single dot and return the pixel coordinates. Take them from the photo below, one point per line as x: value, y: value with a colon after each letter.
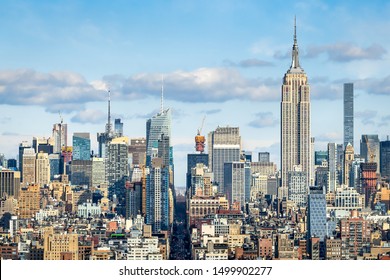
x: 200, y: 85
x: 247, y: 63
x: 345, y: 52
x: 379, y: 86
x: 89, y: 116
x: 367, y: 117
x: 55, y: 90
x: 264, y: 119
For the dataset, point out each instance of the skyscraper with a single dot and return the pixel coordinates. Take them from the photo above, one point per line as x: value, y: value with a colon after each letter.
x: 234, y: 180
x: 297, y: 187
x: 118, y: 128
x: 348, y: 114
x: 316, y: 217
x: 264, y: 157
x: 42, y: 167
x: 385, y: 159
x: 370, y: 149
x: 60, y: 136
x: 81, y: 146
x: 332, y: 167
x: 295, y: 118
x: 224, y: 146
x: 192, y: 161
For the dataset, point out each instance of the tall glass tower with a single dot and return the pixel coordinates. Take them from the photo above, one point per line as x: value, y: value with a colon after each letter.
x: 81, y: 146
x: 348, y: 114
x: 295, y: 119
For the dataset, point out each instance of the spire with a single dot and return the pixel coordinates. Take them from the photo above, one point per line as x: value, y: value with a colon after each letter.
x: 108, y: 126
x: 295, y: 51
x: 162, y: 94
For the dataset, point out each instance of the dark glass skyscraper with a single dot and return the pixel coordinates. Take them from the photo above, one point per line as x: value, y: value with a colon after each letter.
x: 385, y: 159
x: 348, y: 114
x: 81, y: 146
x: 316, y: 218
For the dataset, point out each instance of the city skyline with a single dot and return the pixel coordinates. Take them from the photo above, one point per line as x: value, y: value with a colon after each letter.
x: 215, y: 63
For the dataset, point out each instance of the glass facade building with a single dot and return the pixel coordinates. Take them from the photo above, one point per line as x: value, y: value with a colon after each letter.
x: 348, y: 114
x: 81, y: 146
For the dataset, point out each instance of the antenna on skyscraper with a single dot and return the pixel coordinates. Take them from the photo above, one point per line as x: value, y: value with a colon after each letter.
x: 162, y: 93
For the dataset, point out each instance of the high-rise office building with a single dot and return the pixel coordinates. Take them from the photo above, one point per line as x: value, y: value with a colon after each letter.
x: 81, y: 146
x: 12, y: 164
x: 201, y: 180
x: 295, y: 118
x: 316, y: 217
x: 224, y: 145
x: 157, y: 196
x: 348, y: 114
x: 385, y: 159
x: 9, y: 182
x: 137, y: 151
x: 370, y: 149
x: 349, y: 156
x: 28, y: 202
x: 116, y: 164
x: 28, y: 165
x: 297, y: 187
x: 320, y: 156
x: 42, y: 169
x: 98, y: 172
x: 332, y: 167
x: 81, y: 172
x: 155, y: 127
x: 60, y: 136
x: 22, y: 146
x: 54, y: 161
x: 118, y: 128
x: 192, y: 161
x: 264, y: 157
x: 234, y: 182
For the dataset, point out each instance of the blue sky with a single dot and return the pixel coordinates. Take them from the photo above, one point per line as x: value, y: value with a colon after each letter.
x: 223, y: 59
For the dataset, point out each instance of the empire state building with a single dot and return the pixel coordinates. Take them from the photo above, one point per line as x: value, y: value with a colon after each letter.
x: 295, y: 119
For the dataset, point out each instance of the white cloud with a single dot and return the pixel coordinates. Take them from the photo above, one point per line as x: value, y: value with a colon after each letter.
x: 89, y: 116
x: 264, y: 119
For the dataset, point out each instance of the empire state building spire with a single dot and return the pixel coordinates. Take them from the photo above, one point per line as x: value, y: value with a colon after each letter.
x: 295, y: 51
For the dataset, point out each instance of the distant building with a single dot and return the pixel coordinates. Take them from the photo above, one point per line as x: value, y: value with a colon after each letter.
x: 295, y: 119
x: 385, y: 159
x: 9, y: 183
x: 118, y: 128
x: 320, y: 156
x: 42, y: 167
x: 60, y: 136
x: 316, y: 217
x: 298, y: 188
x: 264, y: 157
x: 28, y: 166
x: 332, y: 167
x: 60, y: 246
x: 29, y: 201
x: 137, y: 151
x: 349, y: 156
x: 234, y: 181
x: 192, y: 161
x: 370, y: 149
x: 348, y: 114
x: 224, y: 145
x: 81, y: 146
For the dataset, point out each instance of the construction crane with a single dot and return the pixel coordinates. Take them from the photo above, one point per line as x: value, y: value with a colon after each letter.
x: 200, y: 139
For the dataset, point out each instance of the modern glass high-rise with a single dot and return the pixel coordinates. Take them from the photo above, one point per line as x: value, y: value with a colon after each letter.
x: 157, y: 196
x: 157, y: 125
x: 370, y: 149
x: 295, y: 118
x: 118, y: 128
x: 224, y: 146
x: 81, y: 146
x: 348, y: 114
x: 385, y: 159
x: 316, y: 216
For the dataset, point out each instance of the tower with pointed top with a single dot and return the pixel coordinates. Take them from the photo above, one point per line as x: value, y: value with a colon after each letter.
x: 295, y: 119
